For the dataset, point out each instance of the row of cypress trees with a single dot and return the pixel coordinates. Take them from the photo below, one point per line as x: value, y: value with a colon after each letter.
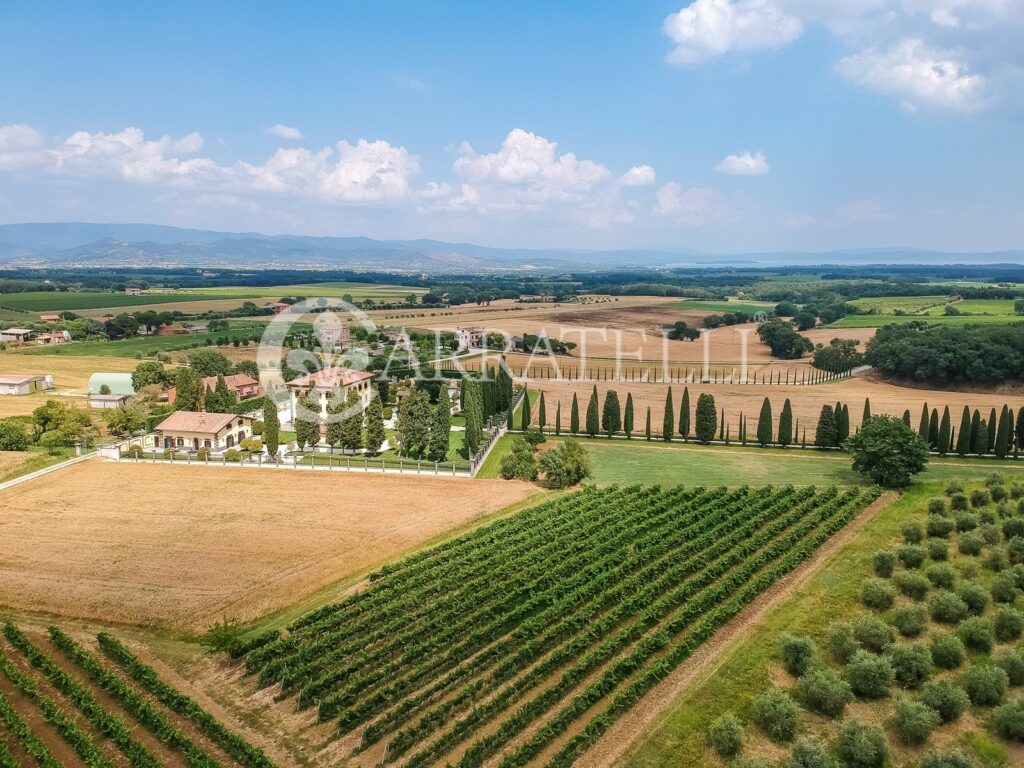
x: 1000, y: 434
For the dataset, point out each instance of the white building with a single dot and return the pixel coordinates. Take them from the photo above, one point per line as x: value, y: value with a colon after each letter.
x: 19, y: 335
x: 332, y: 385
x: 470, y: 338
x: 25, y: 383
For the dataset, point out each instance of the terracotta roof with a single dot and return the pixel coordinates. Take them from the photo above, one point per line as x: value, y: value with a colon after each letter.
x: 15, y: 378
x: 234, y: 381
x: 329, y: 378
x: 196, y: 421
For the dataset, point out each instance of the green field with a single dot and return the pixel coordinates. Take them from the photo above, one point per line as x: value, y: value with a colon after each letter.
x: 1000, y: 307
x: 878, y: 321
x: 639, y: 461
x: 750, y: 307
x: 911, y: 305
x: 131, y: 347
x: 58, y: 301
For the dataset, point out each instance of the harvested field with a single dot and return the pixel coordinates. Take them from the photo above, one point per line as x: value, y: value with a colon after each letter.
x: 805, y: 400
x: 70, y: 378
x: 180, y: 547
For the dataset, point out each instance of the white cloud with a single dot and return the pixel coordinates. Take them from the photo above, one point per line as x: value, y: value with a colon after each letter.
x: 638, y: 176
x: 919, y: 74
x: 744, y: 164
x: 706, y: 29
x: 286, y: 132
x: 690, y: 205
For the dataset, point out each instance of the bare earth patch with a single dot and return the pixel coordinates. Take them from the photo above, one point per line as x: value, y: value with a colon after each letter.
x: 631, y: 726
x: 181, y: 547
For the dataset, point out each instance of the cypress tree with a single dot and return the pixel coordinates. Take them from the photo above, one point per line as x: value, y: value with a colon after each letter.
x: 826, y: 434
x: 558, y: 417
x: 593, y: 420
x: 1003, y: 433
x: 867, y: 411
x: 668, y: 425
x: 474, y: 415
x: 765, y: 428
x: 963, y: 438
x: 922, y: 427
x: 1018, y: 442
x: 975, y: 426
x: 611, y: 417
x: 743, y: 429
x: 843, y: 424
x: 441, y: 429
x: 574, y: 416
x: 980, y: 445
x: 933, y: 429
x: 786, y: 424
x: 627, y: 417
x: 906, y: 418
x: 992, y: 430
x: 721, y: 426
x: 542, y: 413
x: 945, y: 432
x: 271, y: 425
x: 374, y: 424
x: 706, y: 419
x: 526, y: 413
x: 684, y: 415
x: 647, y: 428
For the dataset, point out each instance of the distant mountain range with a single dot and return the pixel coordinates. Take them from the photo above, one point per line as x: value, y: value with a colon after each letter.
x: 75, y: 244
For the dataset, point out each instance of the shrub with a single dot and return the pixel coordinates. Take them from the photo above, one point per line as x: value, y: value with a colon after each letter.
x: 1015, y: 550
x: 977, y: 634
x: 726, y: 735
x: 824, y: 692
x: 1004, y: 588
x: 1018, y: 575
x: 985, y: 684
x: 232, y: 455
x: 808, y: 753
x: 872, y: 633
x: 777, y: 714
x: 989, y: 534
x: 203, y: 454
x: 841, y: 641
x: 1012, y: 663
x: 938, y: 550
x: 914, y: 722
x: 910, y: 620
x: 869, y: 676
x: 948, y: 651
x: 948, y: 700
x: 937, y: 507
x: 993, y: 478
x: 996, y: 560
x: 796, y: 653
x: 946, y: 759
x: 954, y: 486
x: 1014, y: 526
x: 958, y: 502
x: 940, y: 527
x: 1009, y: 624
x: 990, y: 516
x: 1008, y: 721
x: 911, y: 555
x: 1016, y: 490
x: 998, y: 492
x: 912, y: 584
x: 911, y: 664
x: 974, y: 596
x: 862, y: 746
x: 980, y: 498
x: 942, y: 576
x: 946, y: 607
x: 877, y: 594
x: 913, y: 532
x: 970, y: 544
x: 965, y: 522
x: 884, y: 563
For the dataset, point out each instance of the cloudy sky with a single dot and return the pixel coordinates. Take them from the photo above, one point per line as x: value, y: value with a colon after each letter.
x: 719, y: 125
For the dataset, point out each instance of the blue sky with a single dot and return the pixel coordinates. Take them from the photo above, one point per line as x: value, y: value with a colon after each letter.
x: 713, y: 125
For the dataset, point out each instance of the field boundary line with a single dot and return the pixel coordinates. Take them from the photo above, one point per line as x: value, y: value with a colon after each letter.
x: 44, y: 471
x: 634, y: 725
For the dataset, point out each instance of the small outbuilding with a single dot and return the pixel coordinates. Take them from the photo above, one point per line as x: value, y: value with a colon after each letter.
x: 25, y: 383
x: 105, y: 402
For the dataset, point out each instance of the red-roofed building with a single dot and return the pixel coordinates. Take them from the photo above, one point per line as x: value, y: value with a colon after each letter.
x: 192, y: 430
x: 243, y: 385
x: 332, y: 385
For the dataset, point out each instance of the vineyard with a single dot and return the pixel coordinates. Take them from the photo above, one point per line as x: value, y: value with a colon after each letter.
x: 523, y: 642
x: 63, y: 704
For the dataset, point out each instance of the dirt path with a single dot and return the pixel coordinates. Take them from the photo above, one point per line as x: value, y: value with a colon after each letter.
x: 635, y: 724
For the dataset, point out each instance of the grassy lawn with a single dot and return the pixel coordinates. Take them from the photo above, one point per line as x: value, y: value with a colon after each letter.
x: 35, y: 458
x: 750, y: 307
x: 655, y: 462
